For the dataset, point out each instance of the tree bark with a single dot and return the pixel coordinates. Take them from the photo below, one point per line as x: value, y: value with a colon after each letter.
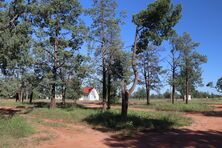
x: 104, y: 86
x: 109, y: 91
x: 173, y: 86
x: 125, y: 98
x: 31, y: 97
x: 125, y: 93
x: 147, y: 94
x: 173, y: 93
x: 187, y: 88
x: 17, y: 97
x: 54, y: 71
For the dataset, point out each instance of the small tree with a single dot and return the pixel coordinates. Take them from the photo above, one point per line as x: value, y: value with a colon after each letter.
x: 190, y: 61
x: 174, y: 65
x: 151, y: 70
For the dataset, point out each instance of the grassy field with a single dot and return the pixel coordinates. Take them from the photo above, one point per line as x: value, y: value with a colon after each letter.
x: 12, y: 129
x: 164, y: 115
x: 195, y: 105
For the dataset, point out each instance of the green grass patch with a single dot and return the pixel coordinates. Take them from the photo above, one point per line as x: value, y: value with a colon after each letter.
x: 72, y: 114
x: 193, y: 106
x: 138, y: 120
x: 12, y: 130
x: 15, y: 127
x: 112, y: 119
x: 12, y: 103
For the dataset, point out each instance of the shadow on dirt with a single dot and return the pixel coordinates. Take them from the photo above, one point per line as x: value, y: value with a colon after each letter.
x: 174, y: 138
x: 213, y: 113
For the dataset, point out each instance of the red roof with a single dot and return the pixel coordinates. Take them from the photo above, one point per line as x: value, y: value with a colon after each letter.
x: 87, y: 90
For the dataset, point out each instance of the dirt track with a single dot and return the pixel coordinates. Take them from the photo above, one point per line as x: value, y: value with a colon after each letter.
x: 206, y: 131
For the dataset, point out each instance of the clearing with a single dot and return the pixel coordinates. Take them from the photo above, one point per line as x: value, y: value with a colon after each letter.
x: 55, y: 129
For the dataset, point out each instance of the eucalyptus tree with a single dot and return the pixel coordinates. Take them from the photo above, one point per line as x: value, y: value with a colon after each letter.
x: 153, y: 25
x: 190, y: 61
x: 58, y: 35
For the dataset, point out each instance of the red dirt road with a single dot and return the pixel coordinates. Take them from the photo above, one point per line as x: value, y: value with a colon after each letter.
x: 205, y: 132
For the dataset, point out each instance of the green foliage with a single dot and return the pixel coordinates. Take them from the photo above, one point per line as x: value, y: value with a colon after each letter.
x: 140, y: 93
x: 150, y: 68
x: 219, y: 85
x: 59, y: 33
x: 15, y: 30
x: 156, y: 22
x: 8, y: 87
x: 190, y: 62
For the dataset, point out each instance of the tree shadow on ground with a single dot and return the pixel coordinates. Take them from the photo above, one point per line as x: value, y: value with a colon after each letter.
x: 114, y: 121
x: 174, y: 138
x: 213, y: 113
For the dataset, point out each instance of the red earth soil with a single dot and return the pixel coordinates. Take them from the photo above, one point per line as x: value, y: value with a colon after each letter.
x: 206, y: 131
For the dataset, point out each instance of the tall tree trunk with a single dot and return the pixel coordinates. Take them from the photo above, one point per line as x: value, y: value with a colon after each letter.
x: 109, y: 91
x: 31, y: 97
x: 104, y: 85
x: 17, y: 97
x: 173, y: 85
x: 187, y: 88
x: 125, y: 93
x: 125, y: 98
x: 53, y: 102
x: 54, y: 71
x: 147, y: 94
x: 147, y: 85
x: 173, y: 94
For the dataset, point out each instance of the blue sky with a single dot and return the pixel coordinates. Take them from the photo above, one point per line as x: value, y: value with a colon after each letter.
x: 201, y: 18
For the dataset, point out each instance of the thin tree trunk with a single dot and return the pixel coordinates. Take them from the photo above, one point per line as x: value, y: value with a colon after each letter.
x: 104, y: 86
x: 125, y: 98
x: 53, y: 91
x: 31, y: 97
x: 173, y: 86
x: 54, y: 71
x: 109, y: 91
x: 17, y: 97
x: 187, y: 88
x: 173, y: 93
x: 147, y: 94
x: 147, y: 85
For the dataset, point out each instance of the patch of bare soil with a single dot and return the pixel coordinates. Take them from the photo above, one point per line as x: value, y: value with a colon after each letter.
x: 205, y: 132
